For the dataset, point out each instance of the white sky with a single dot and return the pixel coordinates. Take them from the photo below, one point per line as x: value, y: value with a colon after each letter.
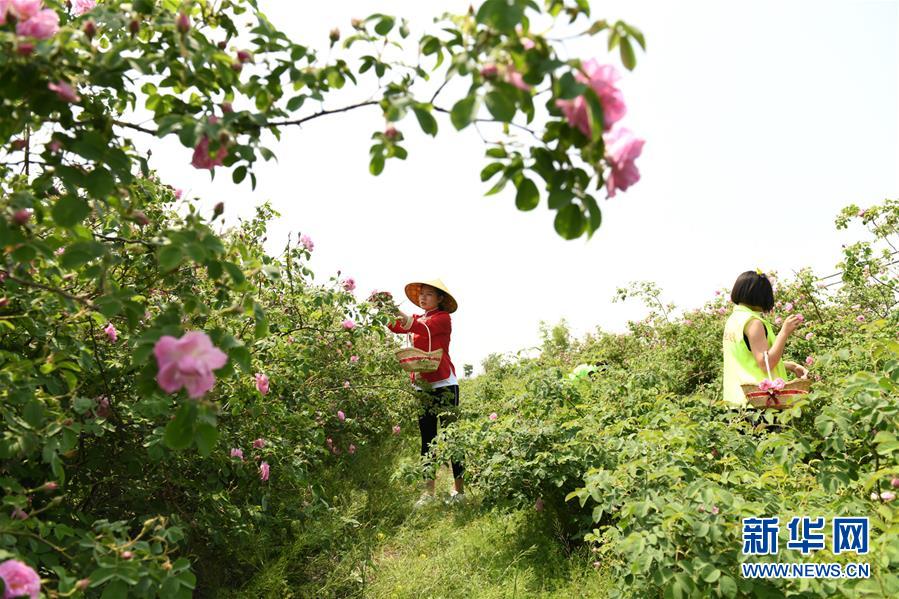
x: 762, y: 120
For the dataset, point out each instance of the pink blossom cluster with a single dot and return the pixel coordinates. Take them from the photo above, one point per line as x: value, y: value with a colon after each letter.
x: 775, y: 385
x: 32, y: 20
x: 622, y: 146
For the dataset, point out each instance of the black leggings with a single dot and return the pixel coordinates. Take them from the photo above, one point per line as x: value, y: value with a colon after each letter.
x: 441, y: 399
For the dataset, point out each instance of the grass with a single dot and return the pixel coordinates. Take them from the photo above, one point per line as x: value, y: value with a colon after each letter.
x: 370, y: 543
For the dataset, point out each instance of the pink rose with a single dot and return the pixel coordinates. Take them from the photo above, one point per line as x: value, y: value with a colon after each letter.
x: 715, y: 509
x: 4, y: 7
x: 809, y: 360
x: 258, y: 443
x: 349, y: 284
x: 765, y: 385
x: 24, y: 9
x: 202, y: 158
x: 515, y: 78
x: 80, y: 7
x: 788, y: 307
x: 489, y: 71
x: 895, y: 483
x: 888, y: 496
x: 800, y: 318
x: 340, y: 415
x: 808, y: 336
x: 348, y: 324
x: 346, y: 384
x: 262, y: 383
x: 527, y: 43
x: 54, y: 146
x: 688, y: 322
x: 19, y: 580
x: 264, y: 469
x: 351, y: 448
x: 354, y: 359
x: 396, y: 429
x: 329, y: 442
x: 722, y: 310
x: 41, y: 26
x: 493, y: 416
x: 188, y: 362
x: 601, y: 78
x: 306, y: 242
x: 111, y: 332
x: 236, y: 452
x: 778, y: 384
x: 778, y: 320
x: 622, y: 149
x: 717, y: 292
x: 178, y: 194
x: 860, y: 318
x: 64, y: 91
x: 18, y: 514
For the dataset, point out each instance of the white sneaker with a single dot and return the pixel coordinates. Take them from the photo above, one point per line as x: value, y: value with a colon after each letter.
x: 424, y: 500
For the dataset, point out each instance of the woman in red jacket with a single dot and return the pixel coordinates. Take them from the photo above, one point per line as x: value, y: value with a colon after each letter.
x: 442, y: 386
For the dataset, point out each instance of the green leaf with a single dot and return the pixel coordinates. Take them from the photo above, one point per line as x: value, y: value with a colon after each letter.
x: 70, y: 210
x: 727, y: 586
x: 117, y: 589
x: 205, y: 438
x: 261, y: 329
x: 179, y: 432
x: 384, y: 25
x: 569, y: 222
x: 500, y: 106
x: 100, y: 183
x: 463, y: 112
x: 170, y: 256
x: 527, y: 197
x: 490, y: 170
x: 376, y: 166
x: 81, y: 252
x: 239, y: 174
x: 241, y: 356
x: 628, y: 59
x: 426, y: 120
x: 234, y: 272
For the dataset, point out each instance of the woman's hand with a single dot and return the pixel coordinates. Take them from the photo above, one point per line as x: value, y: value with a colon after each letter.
x: 800, y: 372
x: 790, y: 324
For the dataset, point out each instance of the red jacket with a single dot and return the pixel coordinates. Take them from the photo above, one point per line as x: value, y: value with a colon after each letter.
x: 439, y: 323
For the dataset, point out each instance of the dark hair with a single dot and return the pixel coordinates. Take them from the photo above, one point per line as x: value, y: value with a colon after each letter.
x: 753, y: 289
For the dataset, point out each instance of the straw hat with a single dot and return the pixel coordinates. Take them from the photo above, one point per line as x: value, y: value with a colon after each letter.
x: 449, y: 302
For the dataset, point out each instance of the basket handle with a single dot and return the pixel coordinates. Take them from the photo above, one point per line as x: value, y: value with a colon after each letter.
x: 768, y: 368
x: 409, y: 336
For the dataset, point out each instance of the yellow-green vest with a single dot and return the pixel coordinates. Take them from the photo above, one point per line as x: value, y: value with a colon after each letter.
x: 740, y: 366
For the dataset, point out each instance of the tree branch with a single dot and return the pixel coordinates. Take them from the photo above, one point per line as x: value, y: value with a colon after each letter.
x: 321, y: 113
x: 516, y: 125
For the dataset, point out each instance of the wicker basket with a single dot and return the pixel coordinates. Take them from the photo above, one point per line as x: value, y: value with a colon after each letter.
x: 413, y: 359
x: 776, y: 399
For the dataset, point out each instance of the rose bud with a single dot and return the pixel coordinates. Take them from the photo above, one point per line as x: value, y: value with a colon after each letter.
x: 134, y: 26
x: 140, y: 218
x: 222, y: 45
x: 236, y: 67
x: 24, y: 48
x: 82, y: 584
x: 4, y: 301
x: 90, y: 29
x: 22, y: 216
x: 895, y: 483
x: 218, y: 209
x: 224, y: 138
x: 244, y: 56
x: 391, y: 133
x: 357, y: 23
x: 18, y: 144
x: 227, y: 108
x: 334, y: 36
x: 127, y: 555
x: 182, y: 22
x: 50, y: 486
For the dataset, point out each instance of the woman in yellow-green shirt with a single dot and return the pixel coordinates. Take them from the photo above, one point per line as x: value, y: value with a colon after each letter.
x: 748, y: 336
